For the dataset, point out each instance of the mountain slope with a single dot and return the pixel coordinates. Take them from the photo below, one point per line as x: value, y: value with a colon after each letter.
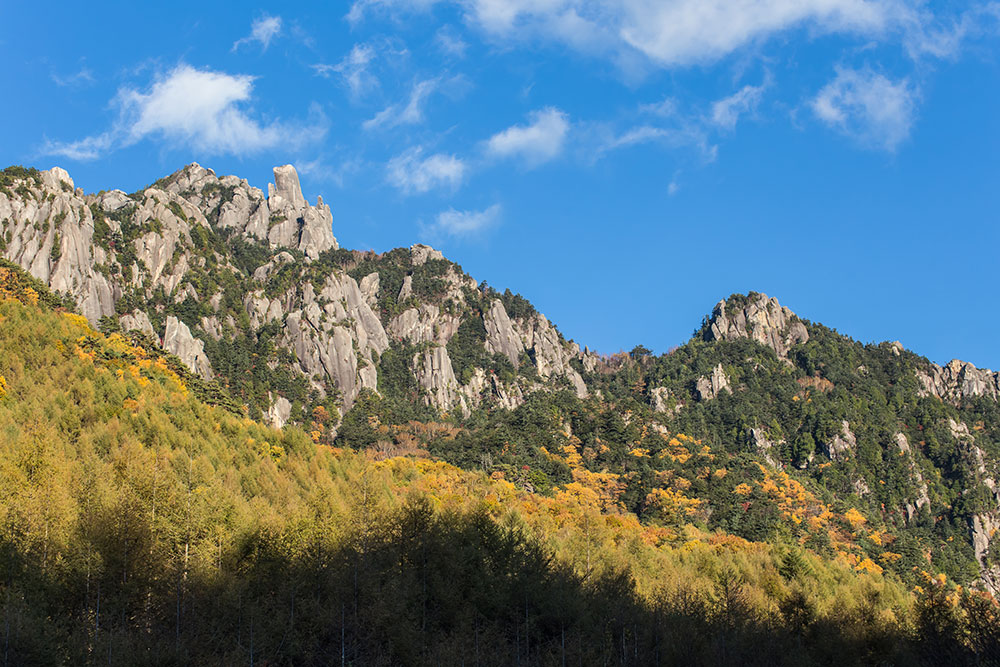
x: 763, y: 425
x: 140, y: 526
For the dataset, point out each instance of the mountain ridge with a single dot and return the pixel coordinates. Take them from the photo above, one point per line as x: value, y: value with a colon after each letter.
x: 252, y: 293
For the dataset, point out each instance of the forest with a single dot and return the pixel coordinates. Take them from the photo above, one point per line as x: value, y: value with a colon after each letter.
x: 141, y: 525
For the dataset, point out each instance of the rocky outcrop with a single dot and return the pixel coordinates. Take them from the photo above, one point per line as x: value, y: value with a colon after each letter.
x: 49, y: 232
x: 435, y: 374
x: 426, y: 324
x: 758, y: 318
x: 420, y: 253
x: 334, y: 334
x: 137, y: 320
x: 500, y: 335
x: 293, y: 222
x: 369, y: 286
x: 707, y: 388
x: 661, y: 400
x: 958, y: 381
x: 284, y: 219
x: 178, y: 340
x: 762, y: 444
x: 842, y: 445
x: 922, y: 499
x: 281, y: 409
x: 551, y: 353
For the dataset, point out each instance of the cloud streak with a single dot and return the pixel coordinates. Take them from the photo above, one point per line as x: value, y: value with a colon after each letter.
x: 410, y: 113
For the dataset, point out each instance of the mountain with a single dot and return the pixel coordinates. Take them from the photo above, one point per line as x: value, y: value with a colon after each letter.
x: 764, y: 428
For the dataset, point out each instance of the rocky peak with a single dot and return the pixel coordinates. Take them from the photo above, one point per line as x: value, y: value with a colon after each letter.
x: 293, y: 223
x: 759, y: 318
x: 286, y: 188
x: 957, y: 381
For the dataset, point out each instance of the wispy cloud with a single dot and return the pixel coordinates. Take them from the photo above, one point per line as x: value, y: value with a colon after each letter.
x: 464, y: 223
x: 540, y: 141
x: 81, y: 78
x: 195, y: 108
x: 354, y: 69
x: 450, y: 43
x: 727, y: 111
x: 413, y: 173
x: 262, y: 31
x: 868, y: 107
x: 410, y: 113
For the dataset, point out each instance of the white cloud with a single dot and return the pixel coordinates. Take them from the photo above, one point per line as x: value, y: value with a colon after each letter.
x: 536, y: 143
x: 465, y: 223
x: 410, y: 113
x: 727, y: 111
x: 196, y: 108
x: 262, y: 31
x: 354, y: 69
x: 867, y: 106
x: 670, y: 33
x: 450, y: 43
x: 413, y: 173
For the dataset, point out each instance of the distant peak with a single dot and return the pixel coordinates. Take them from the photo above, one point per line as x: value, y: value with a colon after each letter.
x: 759, y: 318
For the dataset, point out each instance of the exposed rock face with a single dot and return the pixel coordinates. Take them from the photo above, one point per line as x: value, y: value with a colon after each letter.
x: 334, y: 333
x: 137, y: 320
x: 957, y: 381
x: 500, y: 335
x: 761, y: 319
x: 420, y: 253
x: 369, y: 288
x: 551, y: 353
x: 661, y: 401
x: 841, y: 445
x: 435, y: 374
x: 279, y: 412
x: 912, y: 506
x: 50, y: 234
x: 294, y: 222
x: 284, y: 218
x: 178, y: 340
x: 762, y: 444
x: 426, y: 324
x: 707, y: 388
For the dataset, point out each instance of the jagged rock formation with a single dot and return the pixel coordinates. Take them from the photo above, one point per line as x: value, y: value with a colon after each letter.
x: 921, y: 499
x: 199, y: 261
x: 763, y: 445
x: 841, y: 445
x: 957, y: 381
x: 178, y: 339
x: 661, y: 400
x: 759, y: 318
x: 707, y: 388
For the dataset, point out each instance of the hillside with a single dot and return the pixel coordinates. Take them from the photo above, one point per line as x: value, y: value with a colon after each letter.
x: 770, y: 478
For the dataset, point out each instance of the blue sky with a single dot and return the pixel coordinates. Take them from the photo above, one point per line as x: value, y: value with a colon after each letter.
x: 623, y: 164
